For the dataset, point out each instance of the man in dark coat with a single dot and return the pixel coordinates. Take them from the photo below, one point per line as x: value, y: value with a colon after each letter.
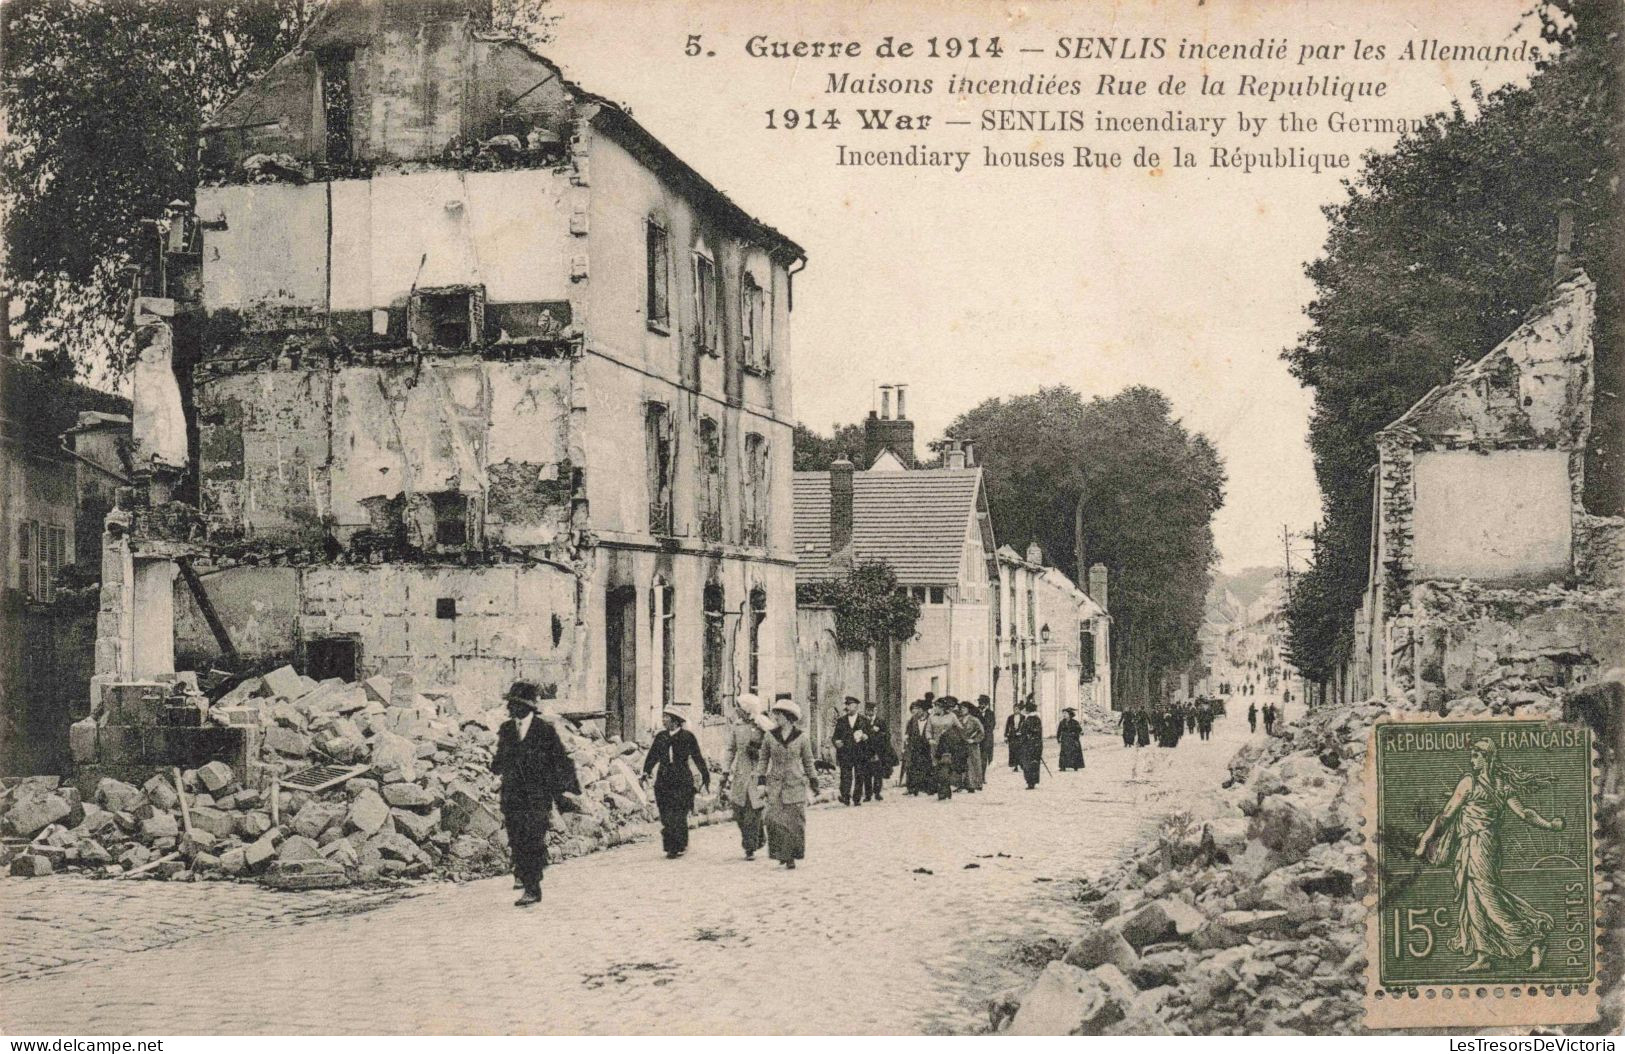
x: 984, y: 708
x: 851, y: 750
x: 879, y: 756
x: 1131, y: 725
x: 1252, y: 717
x: 1030, y: 736
x: 1143, y: 733
x: 1011, y: 744
x: 669, y: 758
x: 536, y: 773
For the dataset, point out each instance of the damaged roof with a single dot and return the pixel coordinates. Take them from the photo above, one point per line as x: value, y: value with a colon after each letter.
x: 916, y: 522
x: 1527, y: 367
x: 346, y: 24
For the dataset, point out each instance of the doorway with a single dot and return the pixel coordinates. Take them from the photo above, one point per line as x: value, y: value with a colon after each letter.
x: 333, y: 657
x: 621, y: 662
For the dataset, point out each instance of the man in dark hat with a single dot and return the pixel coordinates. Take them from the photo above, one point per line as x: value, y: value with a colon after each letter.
x: 984, y: 710
x: 879, y: 756
x: 1030, y: 740
x: 917, y: 763
x: 536, y: 774
x: 851, y: 732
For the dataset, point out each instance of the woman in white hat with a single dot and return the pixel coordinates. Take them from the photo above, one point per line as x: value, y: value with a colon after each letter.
x: 739, y: 771
x: 669, y: 756
x: 786, y: 773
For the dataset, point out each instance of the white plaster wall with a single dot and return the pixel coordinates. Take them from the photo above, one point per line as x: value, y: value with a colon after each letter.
x: 271, y: 249
x: 1501, y: 515
x: 508, y: 231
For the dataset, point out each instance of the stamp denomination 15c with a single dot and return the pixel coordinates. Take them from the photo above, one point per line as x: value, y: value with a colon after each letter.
x: 1485, y: 887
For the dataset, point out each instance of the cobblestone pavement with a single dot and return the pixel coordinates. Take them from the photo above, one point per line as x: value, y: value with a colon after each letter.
x: 904, y: 917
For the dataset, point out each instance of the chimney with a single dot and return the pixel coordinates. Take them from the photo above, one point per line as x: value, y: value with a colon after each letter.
x: 970, y: 453
x: 840, y: 513
x: 1563, y: 264
x: 887, y: 432
x: 953, y: 456
x: 1097, y: 586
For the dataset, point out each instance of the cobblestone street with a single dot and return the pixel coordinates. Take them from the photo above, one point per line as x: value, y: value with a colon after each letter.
x: 858, y: 940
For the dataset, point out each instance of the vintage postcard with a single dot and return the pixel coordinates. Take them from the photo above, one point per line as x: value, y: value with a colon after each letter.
x: 725, y: 518
x: 1485, y: 909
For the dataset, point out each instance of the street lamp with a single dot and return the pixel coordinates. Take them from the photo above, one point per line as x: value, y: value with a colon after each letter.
x: 1043, y: 634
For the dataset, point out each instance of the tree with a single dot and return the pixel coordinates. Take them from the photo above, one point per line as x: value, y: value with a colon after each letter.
x: 813, y: 452
x: 870, y: 609
x: 1433, y: 256
x: 103, y: 102
x: 1145, y: 489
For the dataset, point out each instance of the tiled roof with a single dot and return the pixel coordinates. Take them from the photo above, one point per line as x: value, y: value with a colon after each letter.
x: 915, y: 521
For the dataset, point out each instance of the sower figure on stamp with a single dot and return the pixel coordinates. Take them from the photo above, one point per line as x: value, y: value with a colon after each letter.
x: 669, y: 757
x: 850, y: 732
x: 739, y: 770
x: 536, y: 773
x: 1492, y: 921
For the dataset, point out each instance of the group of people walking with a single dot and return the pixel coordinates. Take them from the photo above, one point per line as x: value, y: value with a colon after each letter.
x: 1270, y: 714
x: 769, y: 774
x: 947, y: 745
x: 1169, y: 723
x: 864, y: 753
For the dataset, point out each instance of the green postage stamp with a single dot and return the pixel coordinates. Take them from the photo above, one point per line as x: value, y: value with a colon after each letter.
x: 1484, y: 909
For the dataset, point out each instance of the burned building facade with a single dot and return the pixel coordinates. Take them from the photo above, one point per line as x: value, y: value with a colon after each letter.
x: 1487, y: 575
x: 491, y: 385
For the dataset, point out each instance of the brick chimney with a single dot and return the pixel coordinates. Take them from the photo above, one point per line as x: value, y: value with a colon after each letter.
x: 884, y: 431
x: 953, y: 456
x: 1097, y: 586
x: 840, y: 513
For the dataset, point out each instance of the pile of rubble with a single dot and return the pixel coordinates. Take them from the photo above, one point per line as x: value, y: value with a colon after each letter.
x: 1097, y: 721
x: 399, y: 786
x: 1251, y: 923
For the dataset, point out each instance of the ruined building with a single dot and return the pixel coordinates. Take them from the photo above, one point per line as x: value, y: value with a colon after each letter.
x: 490, y: 384
x: 1487, y: 575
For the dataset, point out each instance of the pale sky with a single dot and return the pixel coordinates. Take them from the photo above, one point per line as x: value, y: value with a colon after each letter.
x: 994, y: 282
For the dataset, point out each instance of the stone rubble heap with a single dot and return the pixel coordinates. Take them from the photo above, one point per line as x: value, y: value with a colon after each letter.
x: 426, y: 805
x: 1252, y: 923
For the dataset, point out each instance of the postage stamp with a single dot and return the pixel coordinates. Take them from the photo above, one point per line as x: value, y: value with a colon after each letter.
x: 1484, y: 901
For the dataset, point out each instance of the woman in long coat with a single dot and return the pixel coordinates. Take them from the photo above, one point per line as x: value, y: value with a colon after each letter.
x: 739, y: 771
x: 972, y: 723
x: 785, y: 770
x: 917, y: 752
x: 669, y: 757
x: 1069, y: 733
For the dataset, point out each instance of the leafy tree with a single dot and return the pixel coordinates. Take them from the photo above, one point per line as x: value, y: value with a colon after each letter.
x: 1144, y: 489
x: 103, y: 101
x: 814, y: 452
x: 869, y: 607
x: 1434, y: 255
